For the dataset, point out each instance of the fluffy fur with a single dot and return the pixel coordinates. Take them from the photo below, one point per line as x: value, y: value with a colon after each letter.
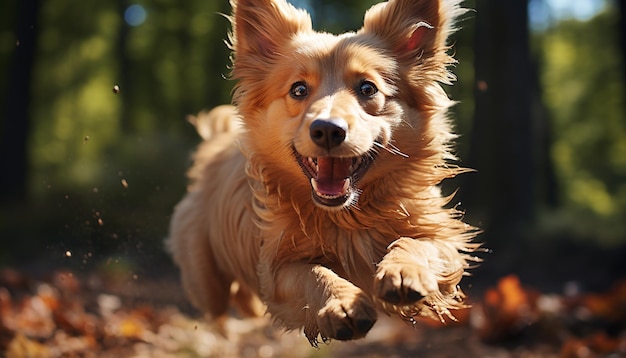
x: 318, y: 193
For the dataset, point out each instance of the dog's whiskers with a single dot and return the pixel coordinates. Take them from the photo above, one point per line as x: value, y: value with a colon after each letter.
x: 391, y: 149
x: 354, y: 205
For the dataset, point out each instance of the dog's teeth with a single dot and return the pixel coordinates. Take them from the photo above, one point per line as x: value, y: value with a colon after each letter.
x: 312, y: 164
x: 314, y: 184
x: 346, y: 185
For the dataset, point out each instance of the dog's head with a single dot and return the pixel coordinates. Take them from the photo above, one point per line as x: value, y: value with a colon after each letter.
x: 334, y: 114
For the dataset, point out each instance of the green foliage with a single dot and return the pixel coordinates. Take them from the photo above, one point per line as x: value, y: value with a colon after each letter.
x: 166, y: 68
x: 107, y: 168
x: 583, y: 83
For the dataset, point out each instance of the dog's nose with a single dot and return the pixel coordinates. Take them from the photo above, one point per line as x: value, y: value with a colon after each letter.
x: 328, y: 133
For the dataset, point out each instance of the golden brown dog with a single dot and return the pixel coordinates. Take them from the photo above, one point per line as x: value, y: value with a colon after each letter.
x: 318, y: 192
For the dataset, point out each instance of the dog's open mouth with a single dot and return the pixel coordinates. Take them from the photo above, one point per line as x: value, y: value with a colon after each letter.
x: 333, y: 179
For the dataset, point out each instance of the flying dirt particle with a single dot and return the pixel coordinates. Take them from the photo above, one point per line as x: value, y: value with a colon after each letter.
x: 116, y: 89
x: 100, y: 222
x: 482, y: 86
x: 124, y: 183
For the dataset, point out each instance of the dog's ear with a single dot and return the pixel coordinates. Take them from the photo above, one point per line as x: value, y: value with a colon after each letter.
x: 260, y: 27
x: 413, y: 29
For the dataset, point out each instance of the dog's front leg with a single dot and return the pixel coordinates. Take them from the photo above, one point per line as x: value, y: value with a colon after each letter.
x: 420, y: 273
x: 316, y: 298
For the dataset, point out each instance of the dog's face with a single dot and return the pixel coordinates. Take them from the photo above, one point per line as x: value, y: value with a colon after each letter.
x: 337, y: 113
x: 330, y: 113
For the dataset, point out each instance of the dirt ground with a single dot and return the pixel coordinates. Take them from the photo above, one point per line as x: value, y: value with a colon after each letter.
x: 66, y: 314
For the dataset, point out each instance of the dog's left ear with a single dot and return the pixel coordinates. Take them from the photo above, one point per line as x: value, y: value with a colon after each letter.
x: 413, y: 29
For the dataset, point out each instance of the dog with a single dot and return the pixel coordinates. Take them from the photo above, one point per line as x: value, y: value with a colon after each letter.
x: 318, y: 193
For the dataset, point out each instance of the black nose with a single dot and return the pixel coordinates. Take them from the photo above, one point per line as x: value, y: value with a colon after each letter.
x: 328, y: 133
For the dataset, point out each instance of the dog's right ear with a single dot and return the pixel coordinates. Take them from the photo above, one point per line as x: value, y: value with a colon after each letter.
x: 260, y: 27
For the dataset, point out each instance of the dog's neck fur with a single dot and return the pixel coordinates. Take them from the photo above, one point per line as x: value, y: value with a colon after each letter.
x: 386, y: 210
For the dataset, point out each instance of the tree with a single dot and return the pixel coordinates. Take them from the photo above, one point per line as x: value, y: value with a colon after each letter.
x: 15, y: 122
x: 502, y: 136
x: 622, y: 43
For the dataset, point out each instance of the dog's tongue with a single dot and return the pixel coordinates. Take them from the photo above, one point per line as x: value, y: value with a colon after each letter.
x: 332, y: 175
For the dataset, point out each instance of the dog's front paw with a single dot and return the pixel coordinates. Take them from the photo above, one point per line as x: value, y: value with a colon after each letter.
x: 403, y: 284
x: 343, y: 318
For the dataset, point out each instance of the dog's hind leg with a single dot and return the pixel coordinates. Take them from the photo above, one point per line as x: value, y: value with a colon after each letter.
x: 196, y: 240
x: 246, y: 301
x: 207, y: 287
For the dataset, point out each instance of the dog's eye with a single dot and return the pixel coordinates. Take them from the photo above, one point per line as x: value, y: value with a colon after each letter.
x: 368, y: 89
x: 299, y: 90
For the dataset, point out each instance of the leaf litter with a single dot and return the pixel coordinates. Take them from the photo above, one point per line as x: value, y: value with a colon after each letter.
x: 68, y: 316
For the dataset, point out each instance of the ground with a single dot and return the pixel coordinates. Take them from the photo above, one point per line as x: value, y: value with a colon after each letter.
x: 69, y: 314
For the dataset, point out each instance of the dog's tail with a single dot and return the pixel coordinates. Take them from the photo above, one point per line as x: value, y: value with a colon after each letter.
x: 220, y: 129
x: 220, y: 120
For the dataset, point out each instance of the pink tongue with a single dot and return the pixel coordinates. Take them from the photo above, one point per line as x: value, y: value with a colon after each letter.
x: 332, y: 174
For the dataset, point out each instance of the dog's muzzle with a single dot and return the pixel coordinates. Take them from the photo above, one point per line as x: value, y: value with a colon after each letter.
x: 333, y: 179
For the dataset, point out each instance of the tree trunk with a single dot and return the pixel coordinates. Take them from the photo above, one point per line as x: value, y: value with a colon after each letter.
x: 622, y: 32
x: 15, y: 122
x: 123, y: 81
x: 502, y: 137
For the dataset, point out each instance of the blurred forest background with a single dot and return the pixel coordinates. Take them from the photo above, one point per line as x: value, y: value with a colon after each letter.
x: 90, y: 172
